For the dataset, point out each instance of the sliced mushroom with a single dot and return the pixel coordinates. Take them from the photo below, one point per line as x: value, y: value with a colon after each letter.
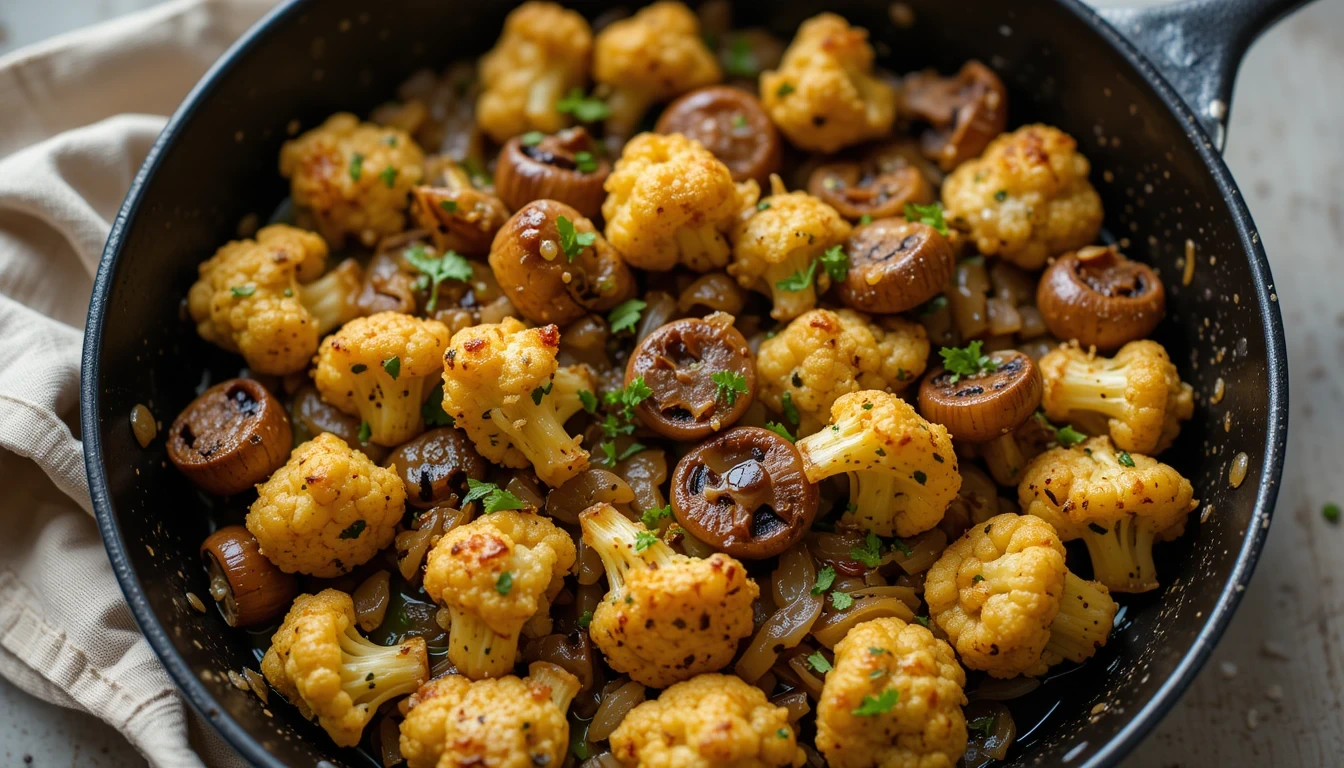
x: 387, y: 287
x: 1100, y: 298
x: 231, y: 437
x: 733, y: 125
x: 679, y: 362
x: 313, y: 416
x: 985, y: 406
x: 435, y: 467
x: 965, y: 112
x: 547, y: 283
x: 895, y: 265
x: 248, y: 588
x: 567, y: 167
x: 744, y: 493
x: 459, y: 217
x: 877, y: 185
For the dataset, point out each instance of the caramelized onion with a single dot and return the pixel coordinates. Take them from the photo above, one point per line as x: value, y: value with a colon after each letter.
x: 807, y: 677
x: 833, y: 627
x: 590, y: 565
x: 925, y: 549
x: 992, y: 731
x: 794, y: 576
x: 525, y: 488
x: 592, y: 486
x: 794, y: 701
x: 602, y: 760
x: 616, y: 704
x: 713, y: 292
x: 371, y: 599
x: 661, y: 309
x: 429, y: 526
x: 645, y: 473
x: 573, y: 653
x: 905, y: 594
x: 787, y: 626
x: 389, y: 741
x: 995, y: 689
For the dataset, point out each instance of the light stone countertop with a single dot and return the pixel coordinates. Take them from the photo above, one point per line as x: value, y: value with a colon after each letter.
x: 1273, y: 692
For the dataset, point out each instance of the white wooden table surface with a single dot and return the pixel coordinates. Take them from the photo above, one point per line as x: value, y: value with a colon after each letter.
x: 1274, y: 692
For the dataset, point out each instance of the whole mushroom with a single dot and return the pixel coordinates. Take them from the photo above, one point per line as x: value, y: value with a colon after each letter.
x: 878, y: 184
x: 436, y: 466
x: 231, y: 437
x: 567, y: 166
x: 248, y: 588
x: 895, y: 265
x: 1100, y: 298
x: 964, y: 112
x: 459, y: 217
x: 731, y: 124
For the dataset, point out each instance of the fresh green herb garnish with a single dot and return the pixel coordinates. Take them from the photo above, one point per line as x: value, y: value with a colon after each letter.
x: 432, y: 412
x: 389, y: 176
x: 876, y: 651
x: 1330, y: 512
x: 977, y: 578
x: 870, y: 552
x: 982, y: 725
x: 923, y: 620
x: 625, y: 316
x: 781, y: 430
x: 739, y: 122
x: 651, y: 517
x: 450, y: 266
x: 586, y: 109
x: 902, y: 547
x: 356, y: 166
x: 531, y: 138
x: 763, y: 205
x: 1001, y: 195
x: 784, y: 89
x: 730, y: 384
x: 825, y: 578
x: 585, y: 619
x: 584, y: 162
x: 644, y: 540
x: 288, y: 292
x: 479, y: 176
x: 819, y: 663
x: 967, y: 361
x: 243, y: 291
x: 365, y: 432
x: 354, y: 530
x: 496, y: 499
x: 631, y: 395
x: 1124, y: 458
x: 836, y: 262
x: 448, y: 205
x: 871, y: 707
x: 1068, y: 437
x: 800, y: 280
x: 504, y: 583
x: 865, y: 220
x: 933, y: 305
x: 740, y: 60
x: 931, y: 214
x: 572, y: 242
x: 782, y: 733
x: 841, y: 600
x: 392, y: 366
x: 541, y: 392
x: 589, y: 401
x: 790, y: 410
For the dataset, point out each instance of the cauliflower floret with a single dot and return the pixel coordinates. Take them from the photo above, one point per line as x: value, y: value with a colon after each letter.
x: 824, y: 354
x: 1138, y: 391
x: 265, y: 299
x: 327, y: 510
x: 494, y: 575
x: 1117, y: 503
x: 1027, y: 198
x: 502, y: 722
x: 319, y: 662
x: 503, y: 386
x: 380, y: 368
x: 893, y: 699
x: 777, y: 249
x: 666, y: 617
x: 354, y: 177
x: 669, y: 201
x: 651, y: 57
x: 709, y: 721
x: 824, y: 96
x: 542, y: 53
x: 902, y: 469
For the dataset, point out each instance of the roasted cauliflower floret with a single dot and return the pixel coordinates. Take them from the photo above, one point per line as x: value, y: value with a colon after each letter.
x: 893, y: 699
x: 321, y: 664
x: 1118, y: 503
x: 380, y: 368
x: 1027, y: 198
x: 709, y: 721
x: 669, y: 202
x: 824, y: 354
x: 824, y: 96
x: 266, y: 298
x: 503, y: 386
x: 494, y: 575
x: 542, y: 53
x: 354, y: 177
x: 902, y: 469
x: 778, y: 249
x: 502, y: 722
x: 1138, y: 392
x: 327, y: 510
x: 666, y: 617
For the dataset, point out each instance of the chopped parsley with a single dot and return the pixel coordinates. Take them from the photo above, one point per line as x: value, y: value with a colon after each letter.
x: 870, y: 552
x: 982, y: 725
x: 389, y: 176
x: 871, y: 707
x: 392, y: 366
x: 651, y: 517
x: 365, y: 432
x: 902, y: 547
x: 836, y: 262
x: 784, y: 89
x: 977, y: 578
x: 872, y: 651
x: 1001, y: 195
x: 432, y: 411
x: 841, y: 600
x: 740, y: 122
x: 644, y: 540
x: 825, y: 578
x: 923, y: 620
x: 450, y: 266
x: 967, y: 361
x: 625, y: 316
x: 496, y: 499
x: 867, y: 406
x: 739, y: 60
x: 934, y: 305
x: 730, y: 384
x: 504, y: 583
x: 531, y: 138
x: 585, y: 619
x: 609, y: 448
x: 800, y: 280
x: 584, y: 162
x: 289, y: 292
x: 631, y: 395
x: 541, y: 392
x: 572, y: 242
x: 356, y: 168
x: 790, y: 410
x: 763, y: 205
x: 243, y: 291
x: 782, y: 733
x: 586, y: 109
x: 819, y: 663
x: 1330, y: 512
x: 1124, y: 458
x: 448, y: 205
x: 781, y: 430
x: 865, y: 220
x: 355, y: 529
x: 931, y: 215
x: 479, y: 176
x: 589, y: 401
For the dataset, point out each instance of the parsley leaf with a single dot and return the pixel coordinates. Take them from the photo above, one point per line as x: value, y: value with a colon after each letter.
x: 432, y: 411
x: 584, y: 162
x: 586, y: 109
x: 644, y: 540
x: 585, y: 619
x: 819, y: 663
x: 572, y: 242
x: 504, y: 583
x: 841, y: 600
x: 784, y: 89
x: 730, y: 384
x: 480, y: 177
x: 798, y: 281
x: 763, y: 205
x: 243, y: 291
x: 448, y: 205
x: 448, y: 267
x: 865, y: 220
x: 496, y: 498
x: 923, y: 620
x: 541, y: 392
x: 651, y: 517
x: 836, y: 262
x: 782, y: 733
x: 902, y: 547
x: 1068, y: 437
x: 870, y: 552
x: 531, y: 138
x: 389, y: 176
x: 355, y: 529
x: 589, y: 401
x: 1124, y: 458
x: 825, y: 578
x: 781, y: 430
x: 356, y: 168
x: 932, y: 306
x: 931, y: 214
x: 982, y: 725
x: 1330, y: 512
x: 739, y: 60
x: 790, y: 410
x: 967, y: 361
x: 365, y: 432
x: 626, y: 315
x: 871, y: 707
x: 392, y: 366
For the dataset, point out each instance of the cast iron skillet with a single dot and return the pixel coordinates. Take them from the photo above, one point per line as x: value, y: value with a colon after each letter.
x: 1155, y: 161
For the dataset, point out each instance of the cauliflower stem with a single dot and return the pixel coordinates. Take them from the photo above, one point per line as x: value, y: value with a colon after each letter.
x: 476, y: 649
x: 537, y: 429
x: 1086, y: 612
x: 615, y: 537
x: 371, y: 674
x: 331, y: 298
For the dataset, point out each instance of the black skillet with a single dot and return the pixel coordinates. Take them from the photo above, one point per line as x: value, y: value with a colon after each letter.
x: 1147, y: 100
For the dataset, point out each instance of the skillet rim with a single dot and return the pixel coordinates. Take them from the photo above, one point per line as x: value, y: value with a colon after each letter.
x: 1109, y: 754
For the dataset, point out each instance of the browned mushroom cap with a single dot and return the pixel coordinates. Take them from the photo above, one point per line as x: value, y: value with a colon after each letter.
x: 744, y: 493
x: 231, y: 437
x: 249, y: 589
x: 548, y: 284
x: 732, y: 124
x: 986, y: 406
x: 877, y: 185
x: 459, y: 217
x: 895, y: 265
x: 965, y: 112
x: 435, y: 467
x: 565, y: 167
x: 679, y: 362
x: 1100, y: 298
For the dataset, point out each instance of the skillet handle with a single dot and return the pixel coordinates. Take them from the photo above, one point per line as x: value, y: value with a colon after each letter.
x: 1197, y: 45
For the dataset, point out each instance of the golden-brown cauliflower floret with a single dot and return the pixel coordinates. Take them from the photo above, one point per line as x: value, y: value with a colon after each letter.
x: 542, y: 53
x: 503, y: 386
x: 497, y: 723
x: 669, y: 201
x: 778, y: 249
x: 1118, y: 503
x: 493, y: 575
x: 354, y: 177
x: 1027, y: 198
x: 902, y: 469
x: 824, y: 96
x: 327, y: 510
x: 822, y: 355
x: 321, y: 664
x: 651, y: 57
x: 380, y: 368
x: 1138, y: 392
x: 893, y: 700
x: 709, y: 721
x: 263, y: 298
x: 666, y: 617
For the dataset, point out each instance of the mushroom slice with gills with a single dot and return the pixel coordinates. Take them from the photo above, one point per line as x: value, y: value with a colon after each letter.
x: 248, y: 588
x: 387, y: 287
x: 231, y: 437
x: 894, y: 266
x: 436, y: 466
x: 459, y: 217
x: 744, y: 493
x: 567, y: 166
x: 964, y: 112
x: 701, y: 374
x: 878, y: 185
x: 1100, y: 298
x: 731, y: 124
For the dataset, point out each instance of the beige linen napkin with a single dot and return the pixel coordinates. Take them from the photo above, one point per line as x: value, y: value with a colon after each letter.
x: 80, y: 112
